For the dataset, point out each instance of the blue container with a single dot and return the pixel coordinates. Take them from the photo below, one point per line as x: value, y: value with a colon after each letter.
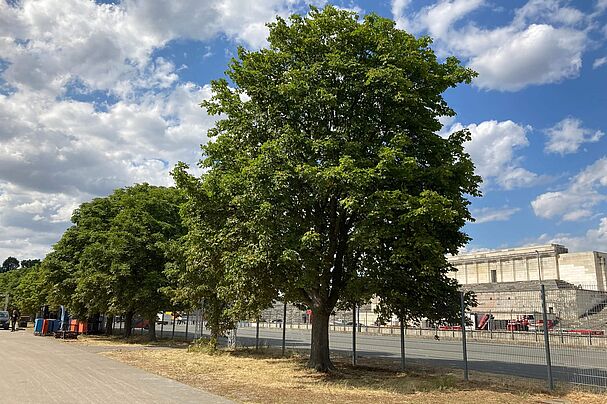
x: 38, y: 325
x: 53, y: 325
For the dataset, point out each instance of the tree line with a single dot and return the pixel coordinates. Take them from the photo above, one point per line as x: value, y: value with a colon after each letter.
x: 325, y: 184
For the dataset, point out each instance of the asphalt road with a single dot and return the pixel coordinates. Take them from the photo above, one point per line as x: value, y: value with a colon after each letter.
x: 584, y: 365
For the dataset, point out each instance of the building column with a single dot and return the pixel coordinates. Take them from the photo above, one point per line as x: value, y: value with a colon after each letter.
x: 527, y: 267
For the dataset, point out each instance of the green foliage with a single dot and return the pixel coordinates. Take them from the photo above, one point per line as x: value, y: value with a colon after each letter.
x: 9, y: 264
x: 29, y: 263
x: 112, y: 259
x: 26, y: 288
x: 326, y: 178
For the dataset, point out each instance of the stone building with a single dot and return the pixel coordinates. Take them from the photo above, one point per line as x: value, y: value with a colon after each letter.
x: 543, y: 262
x: 507, y: 283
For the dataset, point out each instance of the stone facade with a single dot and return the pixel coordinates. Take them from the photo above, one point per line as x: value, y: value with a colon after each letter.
x: 535, y: 263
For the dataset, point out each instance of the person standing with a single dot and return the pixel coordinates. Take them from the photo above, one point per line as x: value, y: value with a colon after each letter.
x: 14, y: 319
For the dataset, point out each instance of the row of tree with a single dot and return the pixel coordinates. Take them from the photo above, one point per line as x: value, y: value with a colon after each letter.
x: 325, y: 184
x: 12, y: 263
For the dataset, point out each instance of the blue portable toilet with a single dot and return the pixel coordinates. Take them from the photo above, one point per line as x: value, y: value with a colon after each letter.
x: 38, y: 326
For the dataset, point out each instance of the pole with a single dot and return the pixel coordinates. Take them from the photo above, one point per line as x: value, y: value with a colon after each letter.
x: 546, y: 338
x: 561, y: 328
x: 284, y: 328
x: 162, y: 325
x: 354, y: 336
x: 186, y: 325
x: 201, y: 318
x: 174, y: 321
x: 402, y: 343
x: 464, y: 347
x: 539, y: 265
x: 257, y: 334
x: 589, y: 330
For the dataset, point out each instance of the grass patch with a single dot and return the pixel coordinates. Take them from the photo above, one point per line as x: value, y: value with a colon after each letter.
x: 134, y: 340
x: 264, y: 376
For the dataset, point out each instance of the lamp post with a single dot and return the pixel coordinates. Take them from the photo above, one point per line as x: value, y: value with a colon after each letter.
x: 539, y: 265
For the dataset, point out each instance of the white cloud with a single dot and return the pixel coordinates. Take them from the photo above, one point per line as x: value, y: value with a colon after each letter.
x: 599, y: 62
x: 484, y: 215
x: 493, y: 150
x: 595, y: 239
x: 578, y: 201
x: 55, y: 151
x: 543, y: 43
x: 568, y: 135
x: 540, y: 54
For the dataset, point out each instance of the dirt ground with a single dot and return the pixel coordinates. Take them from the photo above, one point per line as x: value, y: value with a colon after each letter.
x: 250, y: 376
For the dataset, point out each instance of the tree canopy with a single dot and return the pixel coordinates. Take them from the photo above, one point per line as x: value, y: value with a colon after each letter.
x: 112, y: 259
x: 326, y: 177
x: 9, y: 264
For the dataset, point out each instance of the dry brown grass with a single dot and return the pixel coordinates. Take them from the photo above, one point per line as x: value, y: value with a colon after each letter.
x: 265, y: 377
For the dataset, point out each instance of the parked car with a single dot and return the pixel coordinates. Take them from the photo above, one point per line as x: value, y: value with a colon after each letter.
x: 277, y: 321
x: 5, y: 319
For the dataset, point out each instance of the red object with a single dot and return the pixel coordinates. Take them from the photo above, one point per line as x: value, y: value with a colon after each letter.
x: 45, y: 327
x: 483, y: 322
x: 450, y: 328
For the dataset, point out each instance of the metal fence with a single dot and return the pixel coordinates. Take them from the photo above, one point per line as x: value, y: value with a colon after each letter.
x: 545, y: 330
x: 549, y: 330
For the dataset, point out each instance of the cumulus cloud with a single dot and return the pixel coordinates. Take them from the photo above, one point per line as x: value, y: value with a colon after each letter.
x: 484, y: 215
x: 568, y: 135
x: 540, y: 54
x: 543, y: 43
x: 60, y: 145
x: 579, y: 199
x: 595, y: 239
x: 493, y: 149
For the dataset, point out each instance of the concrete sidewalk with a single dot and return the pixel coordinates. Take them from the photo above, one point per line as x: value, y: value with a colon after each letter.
x: 44, y: 370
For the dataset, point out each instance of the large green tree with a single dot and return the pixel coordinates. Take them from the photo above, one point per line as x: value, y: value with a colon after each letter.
x: 112, y: 259
x: 329, y: 165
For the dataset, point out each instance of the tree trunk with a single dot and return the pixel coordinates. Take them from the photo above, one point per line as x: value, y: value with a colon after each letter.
x: 319, y: 353
x: 152, y: 327
x: 128, y: 324
x: 109, y: 322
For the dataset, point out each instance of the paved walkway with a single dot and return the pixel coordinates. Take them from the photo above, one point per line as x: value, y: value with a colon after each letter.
x: 43, y: 370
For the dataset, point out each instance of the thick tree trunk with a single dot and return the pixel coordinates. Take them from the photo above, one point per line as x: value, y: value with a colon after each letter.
x: 152, y: 327
x: 128, y: 324
x: 319, y: 353
x: 109, y: 322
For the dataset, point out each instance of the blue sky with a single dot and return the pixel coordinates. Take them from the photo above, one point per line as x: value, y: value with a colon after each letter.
x: 100, y: 95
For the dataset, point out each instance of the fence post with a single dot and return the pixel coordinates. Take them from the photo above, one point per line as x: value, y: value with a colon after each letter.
x: 284, y: 328
x: 174, y: 321
x: 187, y: 322
x: 490, y: 325
x: 402, y: 343
x: 162, y: 324
x: 354, y: 336
x: 513, y: 322
x: 588, y: 325
x: 257, y: 334
x: 546, y: 338
x: 464, y: 347
x: 561, y: 328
